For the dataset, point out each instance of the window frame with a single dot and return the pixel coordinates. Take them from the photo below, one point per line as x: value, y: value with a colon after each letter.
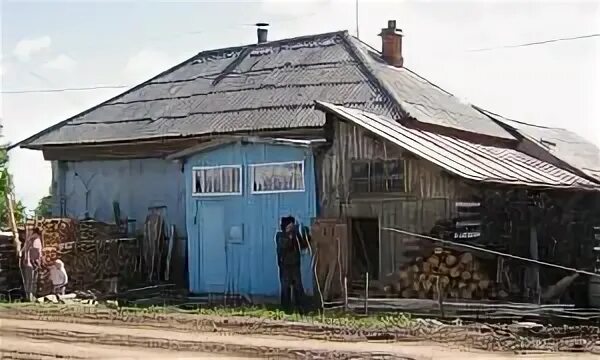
x: 251, y: 168
x: 369, y: 162
x: 212, y: 167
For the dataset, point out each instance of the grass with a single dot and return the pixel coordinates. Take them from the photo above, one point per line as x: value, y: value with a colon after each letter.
x: 336, y: 318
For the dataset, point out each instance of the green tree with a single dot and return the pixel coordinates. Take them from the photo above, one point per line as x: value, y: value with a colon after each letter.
x: 7, y: 186
x: 44, y: 207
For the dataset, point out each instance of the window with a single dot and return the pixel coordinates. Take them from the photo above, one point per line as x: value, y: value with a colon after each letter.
x: 217, y: 180
x: 378, y: 176
x: 277, y: 177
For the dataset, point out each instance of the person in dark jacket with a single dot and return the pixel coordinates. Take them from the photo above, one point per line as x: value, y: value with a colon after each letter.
x: 290, y: 242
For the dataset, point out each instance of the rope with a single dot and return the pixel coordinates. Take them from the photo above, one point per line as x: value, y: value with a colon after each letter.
x: 476, y: 248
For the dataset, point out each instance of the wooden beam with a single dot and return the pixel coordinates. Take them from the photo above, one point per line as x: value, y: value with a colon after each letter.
x: 12, y: 220
x: 534, y: 253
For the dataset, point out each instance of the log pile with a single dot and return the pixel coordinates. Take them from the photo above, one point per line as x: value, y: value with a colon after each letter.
x: 10, y: 275
x: 102, y: 255
x: 92, y: 252
x: 453, y: 274
x: 58, y: 233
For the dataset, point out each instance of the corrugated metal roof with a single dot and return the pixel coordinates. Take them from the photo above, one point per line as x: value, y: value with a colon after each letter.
x: 469, y: 160
x: 563, y: 144
x: 262, y: 87
x: 425, y: 101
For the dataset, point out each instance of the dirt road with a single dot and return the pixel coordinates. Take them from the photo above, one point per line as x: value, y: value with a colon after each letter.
x: 29, y: 339
x: 15, y: 348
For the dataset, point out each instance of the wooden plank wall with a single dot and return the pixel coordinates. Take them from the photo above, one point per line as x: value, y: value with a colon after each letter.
x: 431, y: 192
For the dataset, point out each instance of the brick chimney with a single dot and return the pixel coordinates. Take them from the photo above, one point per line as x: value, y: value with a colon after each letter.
x: 391, y: 44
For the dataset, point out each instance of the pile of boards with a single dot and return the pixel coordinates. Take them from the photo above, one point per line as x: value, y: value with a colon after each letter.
x: 454, y: 275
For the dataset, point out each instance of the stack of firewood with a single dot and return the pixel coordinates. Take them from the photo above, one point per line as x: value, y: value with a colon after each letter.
x: 456, y: 275
x: 59, y: 235
x: 102, y: 255
x: 10, y: 275
x: 92, y: 252
x: 92, y: 230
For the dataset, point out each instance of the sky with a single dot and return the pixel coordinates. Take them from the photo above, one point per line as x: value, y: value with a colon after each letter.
x: 71, y: 44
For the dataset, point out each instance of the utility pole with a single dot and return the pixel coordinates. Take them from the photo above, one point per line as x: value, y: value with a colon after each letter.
x: 357, y: 34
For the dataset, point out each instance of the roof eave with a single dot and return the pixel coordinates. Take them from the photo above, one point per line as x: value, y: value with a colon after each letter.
x: 211, y: 144
x: 520, y: 135
x: 163, y: 137
x: 332, y: 109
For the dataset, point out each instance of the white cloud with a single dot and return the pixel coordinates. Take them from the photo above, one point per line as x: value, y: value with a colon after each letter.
x: 28, y: 47
x: 61, y: 62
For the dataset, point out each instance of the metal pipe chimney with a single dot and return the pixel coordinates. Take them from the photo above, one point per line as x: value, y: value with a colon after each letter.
x: 262, y: 32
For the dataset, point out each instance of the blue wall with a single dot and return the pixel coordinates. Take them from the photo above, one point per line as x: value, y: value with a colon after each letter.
x: 221, y: 262
x: 136, y: 184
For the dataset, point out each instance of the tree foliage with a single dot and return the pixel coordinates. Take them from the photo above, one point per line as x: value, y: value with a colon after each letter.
x: 6, y: 186
x: 44, y: 207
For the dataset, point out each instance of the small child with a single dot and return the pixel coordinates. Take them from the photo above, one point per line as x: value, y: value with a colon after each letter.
x: 59, y: 278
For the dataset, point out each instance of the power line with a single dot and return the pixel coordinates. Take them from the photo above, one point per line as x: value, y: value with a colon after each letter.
x: 231, y: 27
x: 539, y: 42
x: 66, y: 89
x: 129, y: 86
x: 99, y: 87
x: 498, y: 253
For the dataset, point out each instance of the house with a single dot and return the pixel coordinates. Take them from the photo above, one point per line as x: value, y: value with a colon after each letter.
x: 229, y: 141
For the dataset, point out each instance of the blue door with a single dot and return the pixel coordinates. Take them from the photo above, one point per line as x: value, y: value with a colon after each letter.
x: 211, y: 232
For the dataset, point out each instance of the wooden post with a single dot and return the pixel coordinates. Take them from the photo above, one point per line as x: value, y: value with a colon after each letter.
x: 534, y: 252
x: 13, y: 221
x: 345, y: 293
x: 367, y: 293
x: 13, y: 227
x: 440, y: 297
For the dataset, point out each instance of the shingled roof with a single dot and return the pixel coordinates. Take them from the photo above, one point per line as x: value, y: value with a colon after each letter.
x: 267, y: 86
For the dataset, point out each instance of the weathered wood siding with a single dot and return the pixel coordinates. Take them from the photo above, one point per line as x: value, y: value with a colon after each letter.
x: 431, y: 193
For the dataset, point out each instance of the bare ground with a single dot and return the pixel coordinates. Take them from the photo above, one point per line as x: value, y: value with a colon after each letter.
x: 23, y: 348
x: 34, y: 339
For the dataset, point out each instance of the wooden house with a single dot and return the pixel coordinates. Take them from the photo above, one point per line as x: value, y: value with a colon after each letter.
x: 370, y: 159
x: 377, y: 175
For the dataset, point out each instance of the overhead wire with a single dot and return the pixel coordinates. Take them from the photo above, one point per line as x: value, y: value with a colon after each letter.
x: 538, y: 42
x: 498, y: 253
x: 100, y: 87
x: 122, y: 86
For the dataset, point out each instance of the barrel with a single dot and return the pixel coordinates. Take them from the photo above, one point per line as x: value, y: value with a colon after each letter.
x: 594, y: 291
